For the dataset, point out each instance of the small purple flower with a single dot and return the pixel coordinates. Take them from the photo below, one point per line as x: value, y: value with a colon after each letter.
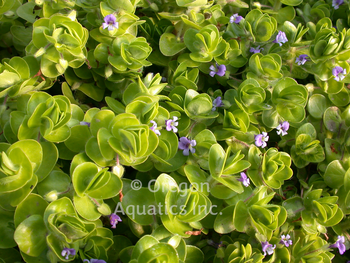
x: 110, y: 22
x: 339, y: 73
x: 256, y: 50
x: 261, y: 139
x: 244, y: 179
x: 337, y: 3
x: 281, y: 38
x: 220, y: 70
x: 154, y: 128
x: 267, y: 247
x: 283, y: 128
x: 301, y: 60
x: 85, y: 123
x: 114, y: 220
x: 340, y: 245
x: 94, y: 260
x: 171, y: 124
x: 235, y: 18
x: 66, y: 252
x: 286, y: 240
x: 187, y: 145
x: 217, y: 103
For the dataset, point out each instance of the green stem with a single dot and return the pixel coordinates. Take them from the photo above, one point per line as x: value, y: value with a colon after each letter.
x: 94, y: 200
x: 117, y: 159
x: 236, y: 79
x: 233, y: 139
x: 191, y: 128
x: 277, y: 5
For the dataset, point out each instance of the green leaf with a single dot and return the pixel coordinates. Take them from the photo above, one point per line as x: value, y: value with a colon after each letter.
x: 294, y: 206
x: 34, y: 228
x: 194, y: 255
x: 93, y: 151
x: 163, y: 185
x: 8, y: 79
x: 80, y: 134
x: 308, y: 129
x: 101, y: 119
x: 33, y: 205
x: 21, y: 67
x: 86, y: 208
x: 292, y: 2
x: 240, y: 216
x: 56, y: 181
x: 224, y: 221
x: 89, y: 179
x: 332, y: 119
x: 143, y: 244
x: 10, y: 255
x: 58, y: 135
x: 198, y: 178
x: 32, y: 149
x: 140, y: 206
x: 286, y: 14
x: 115, y: 105
x: 7, y: 229
x: 334, y: 174
x: 217, y: 159
x: 119, y: 243
x: 317, y: 105
x: 50, y: 156
x: 160, y: 252
x: 23, y: 175
x: 169, y: 45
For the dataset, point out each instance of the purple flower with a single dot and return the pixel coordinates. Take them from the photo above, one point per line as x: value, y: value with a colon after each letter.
x: 280, y: 38
x: 286, y: 240
x: 94, y: 260
x: 110, y: 22
x: 340, y: 245
x: 283, y: 128
x: 339, y: 73
x: 261, y: 139
x: 114, y: 220
x: 337, y: 3
x: 244, y: 179
x: 235, y: 18
x: 301, y: 59
x: 154, y: 128
x: 256, y: 50
x: 217, y: 103
x: 171, y: 124
x: 85, y: 123
x: 186, y: 145
x: 267, y: 247
x: 220, y: 70
x: 66, y: 252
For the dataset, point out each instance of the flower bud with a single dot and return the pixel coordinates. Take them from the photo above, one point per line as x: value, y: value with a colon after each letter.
x: 51, y: 196
x: 9, y: 14
x: 104, y: 209
x: 118, y: 170
x: 40, y: 52
x: 154, y: 7
x: 63, y: 63
x: 108, y: 71
x: 60, y: 69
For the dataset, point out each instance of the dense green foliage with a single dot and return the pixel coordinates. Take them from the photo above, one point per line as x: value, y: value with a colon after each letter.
x: 174, y: 131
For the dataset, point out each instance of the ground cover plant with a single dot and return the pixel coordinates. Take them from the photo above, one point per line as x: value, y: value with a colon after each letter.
x: 174, y: 131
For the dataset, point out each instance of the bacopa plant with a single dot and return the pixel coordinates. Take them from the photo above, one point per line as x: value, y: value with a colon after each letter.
x: 174, y: 131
